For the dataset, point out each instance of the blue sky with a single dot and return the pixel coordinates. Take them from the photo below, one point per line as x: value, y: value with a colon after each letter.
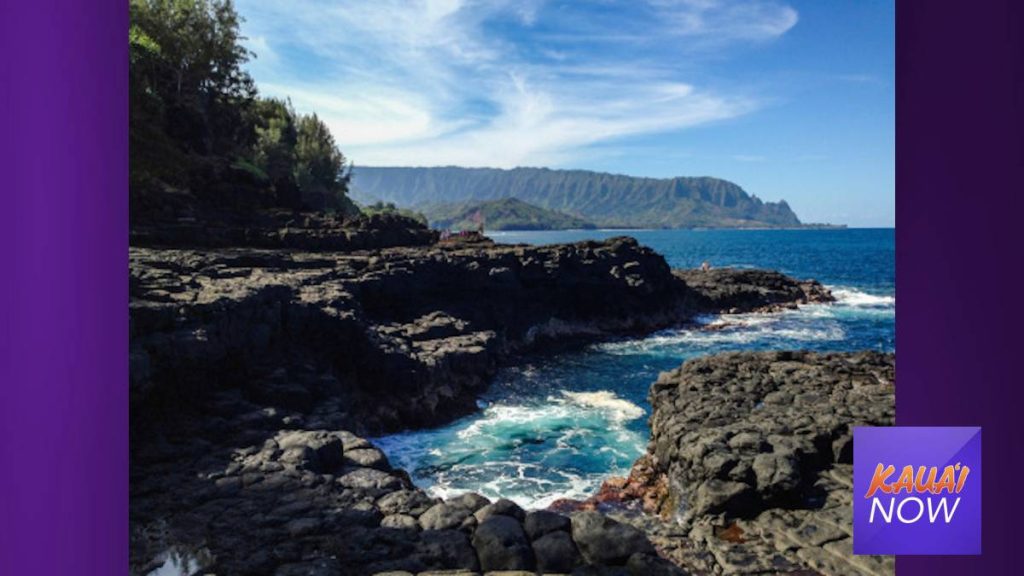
x: 790, y: 100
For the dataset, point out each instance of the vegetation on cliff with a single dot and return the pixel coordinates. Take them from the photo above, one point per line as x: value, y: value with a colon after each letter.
x: 503, y: 214
x: 391, y: 209
x: 200, y: 135
x: 609, y: 200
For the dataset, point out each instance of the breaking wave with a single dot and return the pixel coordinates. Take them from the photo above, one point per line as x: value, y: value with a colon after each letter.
x: 531, y: 452
x: 856, y: 298
x: 607, y: 401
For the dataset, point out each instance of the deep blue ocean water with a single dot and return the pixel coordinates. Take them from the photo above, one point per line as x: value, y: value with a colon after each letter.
x: 556, y: 426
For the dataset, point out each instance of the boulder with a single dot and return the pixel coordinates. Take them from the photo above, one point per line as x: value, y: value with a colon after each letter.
x: 714, y: 496
x: 400, y: 521
x: 444, y: 516
x: 409, y: 502
x: 602, y: 540
x: 439, y: 549
x: 555, y: 552
x: 502, y: 507
x: 540, y: 522
x: 370, y: 479
x: 317, y: 450
x: 470, y: 501
x: 367, y: 458
x: 501, y: 544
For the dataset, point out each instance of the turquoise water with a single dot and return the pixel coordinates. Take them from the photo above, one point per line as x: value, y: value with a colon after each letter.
x: 558, y: 425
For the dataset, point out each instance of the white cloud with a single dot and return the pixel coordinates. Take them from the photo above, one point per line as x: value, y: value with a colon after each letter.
x: 723, y: 20
x: 499, y: 83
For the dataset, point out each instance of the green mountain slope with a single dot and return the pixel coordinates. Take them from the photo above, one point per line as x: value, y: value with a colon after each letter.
x: 609, y: 200
x: 503, y: 214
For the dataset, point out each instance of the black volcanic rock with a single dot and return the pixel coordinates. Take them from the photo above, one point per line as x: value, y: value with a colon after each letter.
x: 742, y: 289
x: 501, y: 544
x: 603, y: 540
x: 396, y: 338
x: 738, y: 432
x: 752, y: 460
x: 403, y: 336
x: 556, y: 553
x: 248, y: 365
x: 275, y: 503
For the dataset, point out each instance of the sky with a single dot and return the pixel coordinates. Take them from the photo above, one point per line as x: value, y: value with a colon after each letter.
x: 790, y: 100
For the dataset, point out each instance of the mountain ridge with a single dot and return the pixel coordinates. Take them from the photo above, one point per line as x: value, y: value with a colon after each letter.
x: 604, y: 199
x: 502, y: 214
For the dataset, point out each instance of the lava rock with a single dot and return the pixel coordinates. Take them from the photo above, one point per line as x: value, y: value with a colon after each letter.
x: 318, y: 567
x: 652, y: 565
x: 741, y: 432
x: 368, y: 478
x: 367, y: 458
x: 501, y: 544
x: 318, y: 451
x: 400, y: 521
x: 445, y: 516
x: 540, y: 522
x: 503, y: 507
x: 409, y: 502
x: 602, y: 540
x: 556, y: 552
x: 440, y: 549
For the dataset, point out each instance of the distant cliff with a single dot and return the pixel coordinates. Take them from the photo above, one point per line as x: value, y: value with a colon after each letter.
x: 609, y: 200
x: 503, y: 214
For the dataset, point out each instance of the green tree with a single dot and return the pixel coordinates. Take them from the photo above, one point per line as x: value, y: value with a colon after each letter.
x: 321, y: 170
x: 274, y: 149
x: 196, y: 124
x: 186, y: 78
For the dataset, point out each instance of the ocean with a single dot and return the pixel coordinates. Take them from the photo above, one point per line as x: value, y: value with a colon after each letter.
x: 556, y: 426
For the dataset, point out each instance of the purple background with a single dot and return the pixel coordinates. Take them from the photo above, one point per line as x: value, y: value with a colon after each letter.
x: 64, y: 292
x: 959, y: 235
x: 917, y: 446
x: 63, y: 319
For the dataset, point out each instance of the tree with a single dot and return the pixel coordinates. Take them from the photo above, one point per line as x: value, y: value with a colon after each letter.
x: 274, y: 149
x: 196, y: 124
x: 186, y: 77
x: 321, y: 170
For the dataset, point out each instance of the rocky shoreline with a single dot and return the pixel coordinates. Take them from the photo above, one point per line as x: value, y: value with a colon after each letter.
x: 250, y: 366
x: 399, y: 337
x: 749, y: 466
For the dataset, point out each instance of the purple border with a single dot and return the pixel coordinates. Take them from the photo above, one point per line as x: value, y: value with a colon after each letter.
x: 63, y: 321
x: 63, y: 325
x: 960, y: 183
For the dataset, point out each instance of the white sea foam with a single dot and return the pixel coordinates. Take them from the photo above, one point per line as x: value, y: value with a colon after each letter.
x: 808, y: 324
x: 852, y: 297
x: 528, y: 485
x: 525, y: 452
x: 605, y: 400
